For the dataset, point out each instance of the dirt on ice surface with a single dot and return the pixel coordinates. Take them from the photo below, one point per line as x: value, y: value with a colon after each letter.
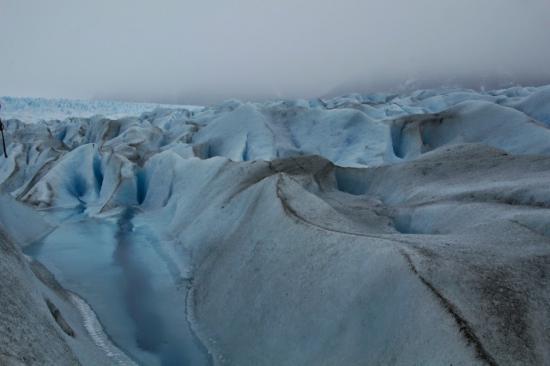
x: 437, y: 259
x: 379, y: 229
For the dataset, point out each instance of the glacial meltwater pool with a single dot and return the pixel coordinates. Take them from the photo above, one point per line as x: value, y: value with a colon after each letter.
x: 138, y: 295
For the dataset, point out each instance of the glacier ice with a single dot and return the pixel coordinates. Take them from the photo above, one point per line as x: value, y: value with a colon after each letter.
x: 33, y: 110
x: 365, y: 229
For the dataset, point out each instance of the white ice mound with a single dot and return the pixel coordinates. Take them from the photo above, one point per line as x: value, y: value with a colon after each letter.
x: 537, y: 106
x: 470, y: 122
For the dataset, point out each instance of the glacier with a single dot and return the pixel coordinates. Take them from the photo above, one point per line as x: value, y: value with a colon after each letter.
x: 390, y: 228
x: 32, y: 110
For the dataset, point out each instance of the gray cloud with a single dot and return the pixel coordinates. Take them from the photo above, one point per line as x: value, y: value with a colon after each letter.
x: 204, y: 51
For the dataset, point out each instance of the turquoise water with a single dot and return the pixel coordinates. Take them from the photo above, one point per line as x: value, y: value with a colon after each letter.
x: 137, y: 293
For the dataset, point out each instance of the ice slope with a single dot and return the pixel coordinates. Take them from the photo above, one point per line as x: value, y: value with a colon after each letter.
x: 438, y: 261
x: 39, y: 323
x: 536, y: 105
x: 365, y: 229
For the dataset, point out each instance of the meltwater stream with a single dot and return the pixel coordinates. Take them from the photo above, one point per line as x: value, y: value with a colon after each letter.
x: 137, y: 294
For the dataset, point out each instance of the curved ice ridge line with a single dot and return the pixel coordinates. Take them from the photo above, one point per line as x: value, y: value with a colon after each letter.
x: 96, y: 332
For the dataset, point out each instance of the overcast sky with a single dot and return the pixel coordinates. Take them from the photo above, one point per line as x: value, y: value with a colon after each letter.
x: 205, y: 50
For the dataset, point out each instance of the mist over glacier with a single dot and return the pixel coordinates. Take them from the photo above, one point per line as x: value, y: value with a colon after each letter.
x: 205, y: 52
x: 382, y: 228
